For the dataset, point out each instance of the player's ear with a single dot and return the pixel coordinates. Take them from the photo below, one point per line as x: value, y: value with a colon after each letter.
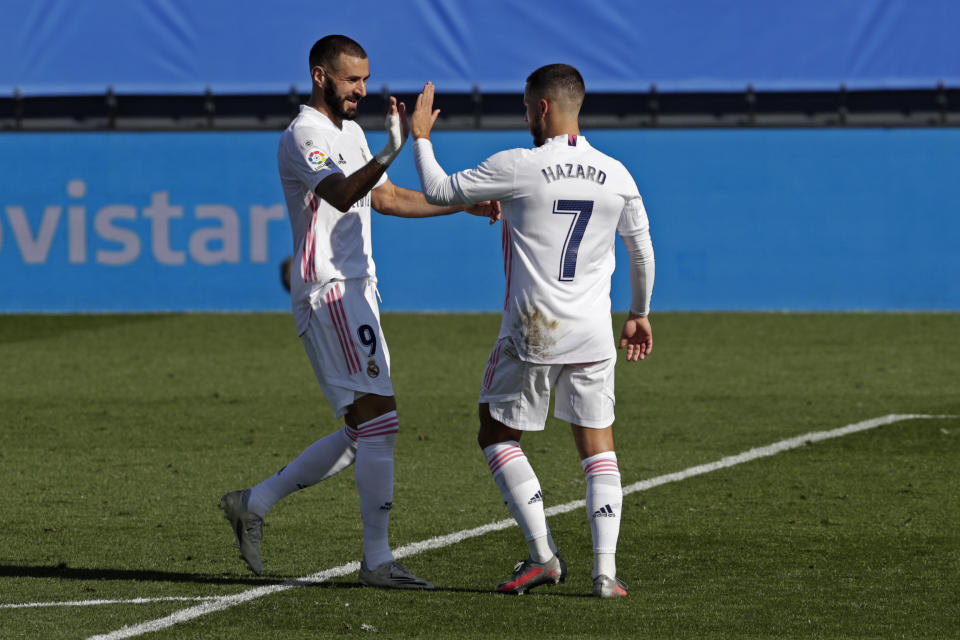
x: 544, y: 106
x: 318, y: 74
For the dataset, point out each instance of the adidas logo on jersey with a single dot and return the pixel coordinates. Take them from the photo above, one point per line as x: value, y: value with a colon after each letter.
x: 604, y: 512
x: 537, y: 497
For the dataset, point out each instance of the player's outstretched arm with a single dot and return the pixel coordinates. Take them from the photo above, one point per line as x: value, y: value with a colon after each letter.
x: 397, y: 201
x: 490, y: 180
x: 391, y: 200
x: 637, y: 337
x: 433, y: 179
x: 343, y: 191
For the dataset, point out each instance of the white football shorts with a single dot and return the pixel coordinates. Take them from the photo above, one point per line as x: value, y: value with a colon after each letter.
x: 345, y: 344
x: 518, y: 392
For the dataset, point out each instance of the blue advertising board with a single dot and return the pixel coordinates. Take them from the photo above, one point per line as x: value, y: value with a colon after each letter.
x: 741, y: 219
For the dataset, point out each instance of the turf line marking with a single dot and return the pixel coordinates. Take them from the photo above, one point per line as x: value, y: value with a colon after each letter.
x: 93, y: 603
x: 225, y: 602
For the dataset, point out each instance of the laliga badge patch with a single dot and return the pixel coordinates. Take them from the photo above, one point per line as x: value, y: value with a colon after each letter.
x: 372, y: 369
x: 316, y: 158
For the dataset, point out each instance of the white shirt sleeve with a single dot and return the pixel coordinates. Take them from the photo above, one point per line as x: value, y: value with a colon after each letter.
x: 634, y: 229
x: 309, y: 157
x: 492, y: 179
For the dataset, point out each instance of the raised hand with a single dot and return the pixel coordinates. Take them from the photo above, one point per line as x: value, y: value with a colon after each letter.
x: 404, y: 125
x: 424, y: 115
x: 397, y: 131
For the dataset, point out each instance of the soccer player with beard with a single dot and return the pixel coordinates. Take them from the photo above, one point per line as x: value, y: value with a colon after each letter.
x: 563, y: 204
x: 330, y: 181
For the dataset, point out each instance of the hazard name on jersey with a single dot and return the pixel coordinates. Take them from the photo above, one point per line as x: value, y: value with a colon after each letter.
x: 569, y: 170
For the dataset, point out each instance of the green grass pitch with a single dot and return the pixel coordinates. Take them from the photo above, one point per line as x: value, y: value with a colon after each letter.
x: 120, y: 433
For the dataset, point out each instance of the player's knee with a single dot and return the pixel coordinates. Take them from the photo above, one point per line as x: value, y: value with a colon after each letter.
x: 493, y: 431
x: 485, y: 439
x: 482, y: 432
x: 590, y: 442
x: 368, y: 407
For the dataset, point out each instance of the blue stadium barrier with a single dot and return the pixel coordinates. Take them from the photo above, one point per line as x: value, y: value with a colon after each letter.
x: 57, y: 47
x: 741, y: 219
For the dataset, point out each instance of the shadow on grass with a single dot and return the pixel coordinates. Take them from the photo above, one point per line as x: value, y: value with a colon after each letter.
x: 64, y: 572
x: 546, y: 591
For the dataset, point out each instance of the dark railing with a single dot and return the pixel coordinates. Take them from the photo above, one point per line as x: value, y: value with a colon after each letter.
x: 650, y: 108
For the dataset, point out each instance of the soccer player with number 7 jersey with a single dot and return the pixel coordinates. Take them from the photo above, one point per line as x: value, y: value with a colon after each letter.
x: 563, y: 203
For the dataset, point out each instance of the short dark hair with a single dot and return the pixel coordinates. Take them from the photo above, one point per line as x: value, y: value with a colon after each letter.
x: 327, y: 49
x: 559, y: 82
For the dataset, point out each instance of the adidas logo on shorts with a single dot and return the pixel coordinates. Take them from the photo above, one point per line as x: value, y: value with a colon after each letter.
x: 537, y: 497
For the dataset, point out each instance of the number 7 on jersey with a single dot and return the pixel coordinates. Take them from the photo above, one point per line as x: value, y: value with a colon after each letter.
x: 581, y: 211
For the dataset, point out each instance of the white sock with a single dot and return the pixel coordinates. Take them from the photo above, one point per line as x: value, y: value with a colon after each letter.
x: 374, y: 474
x: 604, y: 504
x: 550, y: 543
x: 521, y: 492
x: 322, y: 459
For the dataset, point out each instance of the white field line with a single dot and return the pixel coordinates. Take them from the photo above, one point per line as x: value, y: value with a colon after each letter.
x: 93, y: 603
x: 225, y: 602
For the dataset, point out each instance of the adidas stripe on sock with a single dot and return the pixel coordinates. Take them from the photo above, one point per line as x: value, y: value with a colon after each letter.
x: 521, y: 491
x: 604, y: 503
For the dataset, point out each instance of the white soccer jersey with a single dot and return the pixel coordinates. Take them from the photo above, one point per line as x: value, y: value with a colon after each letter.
x: 562, y: 205
x: 328, y: 244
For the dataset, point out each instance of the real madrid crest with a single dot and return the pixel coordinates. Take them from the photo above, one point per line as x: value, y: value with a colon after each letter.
x: 373, y: 370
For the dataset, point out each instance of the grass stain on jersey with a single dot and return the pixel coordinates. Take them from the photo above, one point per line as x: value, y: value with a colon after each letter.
x: 537, y: 331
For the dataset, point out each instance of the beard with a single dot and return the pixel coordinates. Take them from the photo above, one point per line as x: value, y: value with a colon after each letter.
x: 336, y: 102
x: 536, y: 130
